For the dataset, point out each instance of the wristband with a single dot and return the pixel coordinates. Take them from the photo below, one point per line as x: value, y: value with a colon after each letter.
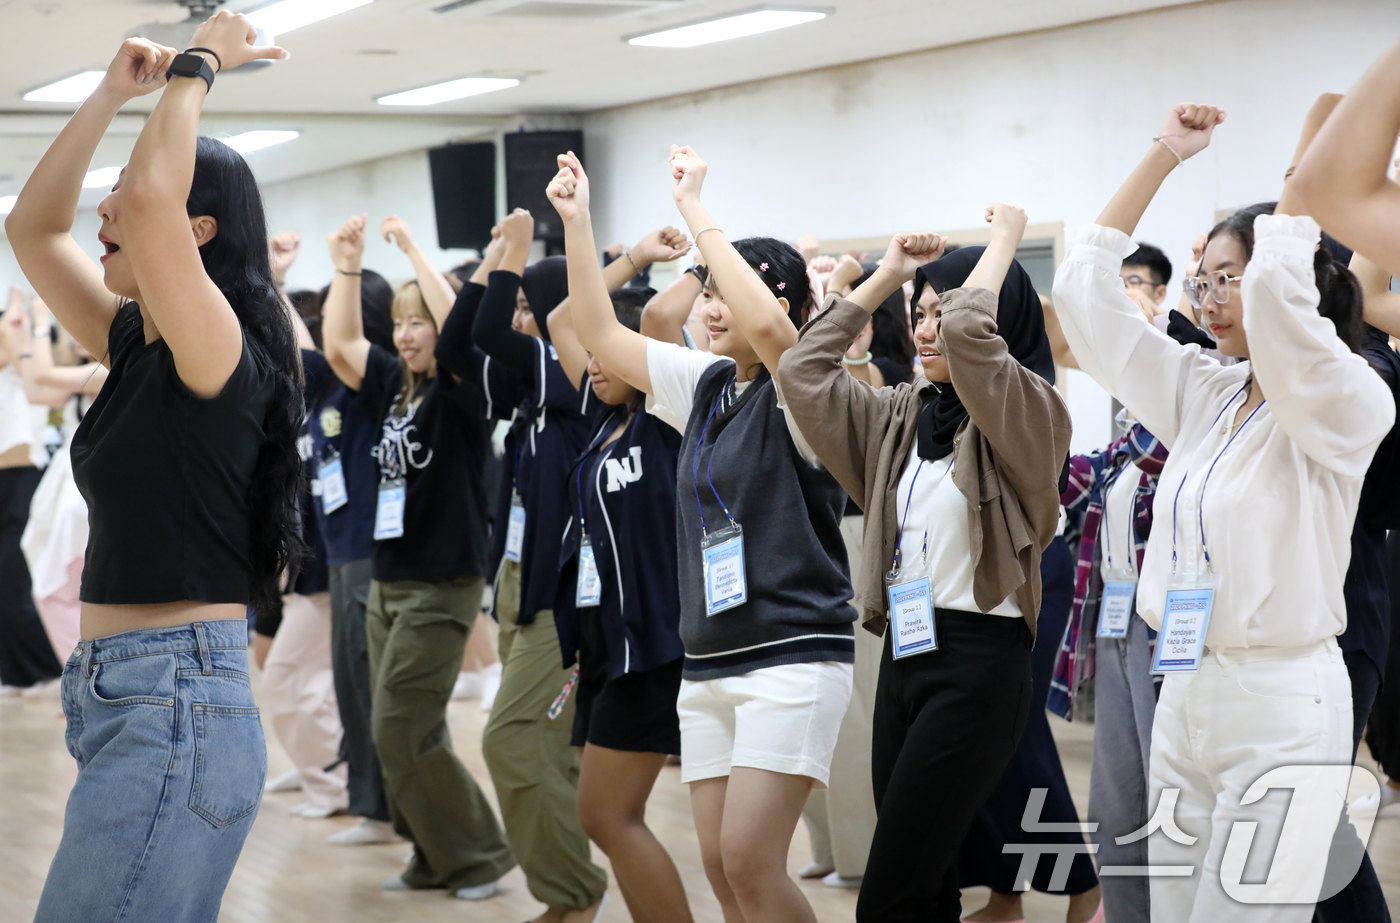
x: 217, y: 60
x: 703, y: 230
x: 43, y: 332
x: 628, y: 254
x: 861, y: 361
x: 1161, y: 139
x: 344, y: 273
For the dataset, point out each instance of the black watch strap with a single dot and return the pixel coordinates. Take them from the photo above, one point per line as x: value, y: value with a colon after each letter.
x: 191, y: 65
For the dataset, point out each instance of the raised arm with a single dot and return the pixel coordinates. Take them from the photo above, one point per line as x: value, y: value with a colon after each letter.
x: 161, y: 240
x: 1325, y: 397
x: 623, y: 351
x: 657, y: 247
x: 437, y: 291
x: 45, y: 382
x: 493, y: 331
x: 1382, y: 306
x: 17, y: 348
x: 665, y: 315
x: 1005, y: 399
x: 762, y: 319
x: 282, y: 251
x: 342, y: 326
x: 40, y: 225
x: 1342, y: 180
x: 1144, y: 368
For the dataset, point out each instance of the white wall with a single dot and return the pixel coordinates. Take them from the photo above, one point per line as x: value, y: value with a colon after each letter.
x: 1053, y: 121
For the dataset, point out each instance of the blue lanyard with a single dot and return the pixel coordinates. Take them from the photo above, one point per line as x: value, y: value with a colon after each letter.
x: 583, y: 463
x: 908, y: 500
x: 1132, y: 516
x: 1201, y: 498
x: 695, y: 465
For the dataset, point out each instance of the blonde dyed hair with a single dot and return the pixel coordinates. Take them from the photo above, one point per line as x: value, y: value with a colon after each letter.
x: 409, y: 302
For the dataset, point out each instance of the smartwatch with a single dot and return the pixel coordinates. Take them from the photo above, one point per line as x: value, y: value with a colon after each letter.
x: 191, y: 65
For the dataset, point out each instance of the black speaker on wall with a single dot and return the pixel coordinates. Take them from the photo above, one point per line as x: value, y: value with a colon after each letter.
x: 531, y: 162
x: 464, y: 193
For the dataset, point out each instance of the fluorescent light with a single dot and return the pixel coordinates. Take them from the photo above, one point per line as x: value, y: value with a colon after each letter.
x: 103, y: 176
x: 7, y: 203
x: 70, y: 90
x: 281, y: 18
x: 452, y: 89
x: 250, y: 141
x: 719, y: 30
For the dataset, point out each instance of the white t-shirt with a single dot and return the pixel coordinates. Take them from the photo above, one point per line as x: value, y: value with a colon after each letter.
x: 675, y: 371
x: 21, y: 423
x: 937, y: 514
x: 1116, y: 527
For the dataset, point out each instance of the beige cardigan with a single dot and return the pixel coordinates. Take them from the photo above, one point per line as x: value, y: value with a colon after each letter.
x: 1008, y: 454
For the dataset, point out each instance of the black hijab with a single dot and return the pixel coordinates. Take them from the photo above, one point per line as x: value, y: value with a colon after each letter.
x: 1020, y: 322
x: 545, y: 285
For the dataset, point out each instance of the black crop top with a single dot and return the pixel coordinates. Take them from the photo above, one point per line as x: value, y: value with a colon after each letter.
x: 166, y: 476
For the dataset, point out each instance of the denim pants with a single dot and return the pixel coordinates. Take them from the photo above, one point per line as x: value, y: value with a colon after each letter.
x: 171, y: 765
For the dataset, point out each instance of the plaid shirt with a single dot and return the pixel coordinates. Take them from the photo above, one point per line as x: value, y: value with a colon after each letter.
x: 1090, y: 477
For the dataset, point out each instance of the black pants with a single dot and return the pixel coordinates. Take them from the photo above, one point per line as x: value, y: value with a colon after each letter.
x: 349, y: 585
x: 1362, y: 900
x: 26, y: 654
x: 946, y: 723
x: 1383, y: 732
x: 1035, y: 764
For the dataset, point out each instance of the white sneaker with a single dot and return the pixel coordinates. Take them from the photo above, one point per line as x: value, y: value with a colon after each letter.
x: 814, y: 870
x: 11, y: 692
x: 490, y: 685
x: 479, y: 892
x: 289, y: 781
x: 837, y: 880
x: 315, y: 811
x: 366, y: 833
x: 396, y: 884
x: 1389, y: 796
x: 468, y: 686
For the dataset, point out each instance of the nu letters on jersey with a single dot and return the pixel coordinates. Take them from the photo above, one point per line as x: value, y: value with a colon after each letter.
x: 624, y: 471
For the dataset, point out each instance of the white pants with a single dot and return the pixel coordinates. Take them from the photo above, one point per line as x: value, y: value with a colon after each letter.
x: 1216, y: 731
x: 301, y: 697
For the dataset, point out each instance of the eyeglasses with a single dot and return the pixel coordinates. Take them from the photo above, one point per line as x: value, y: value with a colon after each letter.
x: 1137, y: 281
x: 1217, y: 284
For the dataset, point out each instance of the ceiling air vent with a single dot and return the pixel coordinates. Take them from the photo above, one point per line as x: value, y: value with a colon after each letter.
x: 554, y: 9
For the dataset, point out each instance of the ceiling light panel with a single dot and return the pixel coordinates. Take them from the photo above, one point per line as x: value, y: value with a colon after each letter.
x: 445, y: 92
x: 737, y: 25
x: 281, y: 18
x: 73, y: 89
x: 250, y: 141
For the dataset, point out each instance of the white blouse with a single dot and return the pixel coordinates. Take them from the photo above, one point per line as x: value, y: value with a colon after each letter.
x: 1276, y: 504
x: 21, y: 423
x: 937, y: 517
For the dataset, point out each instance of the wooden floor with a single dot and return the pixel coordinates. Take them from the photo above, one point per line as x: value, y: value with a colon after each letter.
x: 289, y: 875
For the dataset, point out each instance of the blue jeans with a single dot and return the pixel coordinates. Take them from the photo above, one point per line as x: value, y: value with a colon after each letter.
x: 171, y: 764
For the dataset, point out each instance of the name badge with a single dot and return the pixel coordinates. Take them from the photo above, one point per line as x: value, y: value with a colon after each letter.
x: 726, y: 584
x: 1185, y: 620
x: 911, y: 617
x: 332, y: 477
x: 1117, y: 608
x: 388, y: 513
x: 590, y: 586
x: 515, y: 529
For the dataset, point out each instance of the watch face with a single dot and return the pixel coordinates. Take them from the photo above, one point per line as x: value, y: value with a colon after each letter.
x: 186, y: 65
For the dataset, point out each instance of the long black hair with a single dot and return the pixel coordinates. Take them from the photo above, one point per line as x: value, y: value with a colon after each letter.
x: 236, y: 259
x: 1339, y: 294
x: 781, y: 268
x: 890, y: 336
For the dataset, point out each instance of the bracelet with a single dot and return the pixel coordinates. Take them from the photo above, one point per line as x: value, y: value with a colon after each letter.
x: 861, y: 361
x: 628, y: 254
x: 703, y: 230
x: 217, y: 60
x: 344, y: 273
x: 43, y: 332
x: 25, y: 356
x: 1288, y: 174
x: 1161, y: 139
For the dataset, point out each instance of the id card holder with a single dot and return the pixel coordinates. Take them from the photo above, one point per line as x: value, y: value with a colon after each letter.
x: 388, y: 512
x: 911, y: 616
x: 515, y: 529
x: 590, y: 586
x: 1185, y: 620
x: 726, y: 583
x: 332, y: 477
x: 1116, y: 610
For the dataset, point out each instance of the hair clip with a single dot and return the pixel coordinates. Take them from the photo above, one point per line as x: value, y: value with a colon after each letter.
x: 762, y: 267
x: 781, y: 286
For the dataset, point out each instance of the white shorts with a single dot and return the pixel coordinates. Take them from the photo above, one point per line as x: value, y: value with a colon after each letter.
x: 783, y: 719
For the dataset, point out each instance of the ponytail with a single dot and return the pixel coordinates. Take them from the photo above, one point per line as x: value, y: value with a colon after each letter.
x: 1340, y: 299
